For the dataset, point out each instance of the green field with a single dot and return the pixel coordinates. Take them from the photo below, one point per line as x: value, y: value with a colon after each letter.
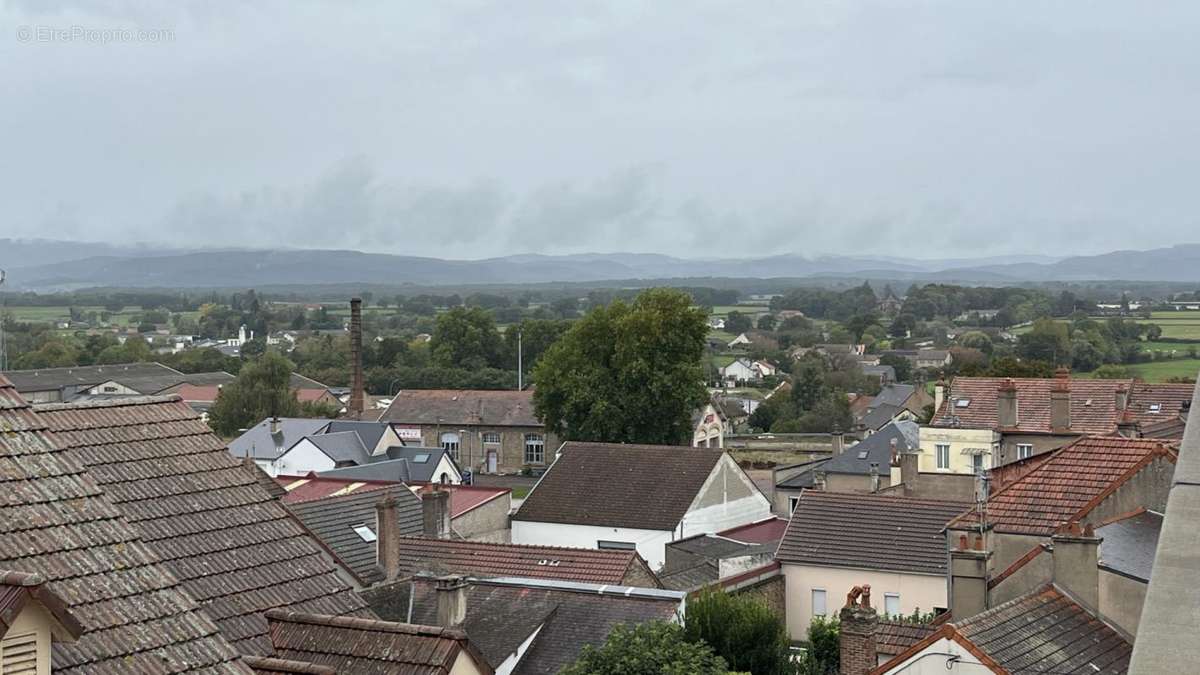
x: 1179, y: 325
x: 1159, y: 371
x: 41, y: 314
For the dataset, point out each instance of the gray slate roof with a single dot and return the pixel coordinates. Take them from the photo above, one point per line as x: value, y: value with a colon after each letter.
x: 368, y: 432
x: 894, y: 394
x: 257, y: 443
x: 879, y: 414
x: 468, y: 407
x: 46, y: 379
x: 877, y: 448
x: 502, y: 613
x: 344, y: 446
x: 866, y: 531
x: 1129, y: 545
x: 401, y: 463
x: 333, y: 519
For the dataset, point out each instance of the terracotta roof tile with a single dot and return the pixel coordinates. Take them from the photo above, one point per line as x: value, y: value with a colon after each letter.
x: 868, y: 531
x: 488, y: 559
x: 1093, y: 404
x: 232, y: 545
x: 1064, y: 487
x: 893, y: 637
x: 56, y: 521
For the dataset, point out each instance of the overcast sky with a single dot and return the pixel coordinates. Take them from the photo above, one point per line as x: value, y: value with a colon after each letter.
x: 472, y: 129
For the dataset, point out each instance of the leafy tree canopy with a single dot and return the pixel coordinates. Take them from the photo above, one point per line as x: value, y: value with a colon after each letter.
x: 654, y: 648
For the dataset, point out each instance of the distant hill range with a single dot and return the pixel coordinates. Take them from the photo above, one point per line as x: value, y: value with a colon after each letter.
x: 54, y: 265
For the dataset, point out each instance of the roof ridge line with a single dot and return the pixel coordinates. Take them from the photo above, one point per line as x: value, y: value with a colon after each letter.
x: 122, y: 401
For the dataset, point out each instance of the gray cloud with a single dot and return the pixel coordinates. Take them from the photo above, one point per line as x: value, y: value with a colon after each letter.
x: 473, y: 128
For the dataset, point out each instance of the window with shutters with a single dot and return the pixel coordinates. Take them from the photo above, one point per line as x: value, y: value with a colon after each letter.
x: 18, y: 655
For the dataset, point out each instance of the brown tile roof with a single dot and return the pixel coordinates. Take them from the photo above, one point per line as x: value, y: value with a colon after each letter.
x: 18, y: 588
x: 273, y: 666
x: 868, y: 531
x: 488, y: 559
x: 1047, y: 632
x: 639, y: 486
x: 234, y: 548
x: 368, y: 646
x: 893, y: 637
x: 56, y: 521
x: 1171, y: 400
x: 1067, y: 485
x: 474, y: 407
x: 1100, y: 416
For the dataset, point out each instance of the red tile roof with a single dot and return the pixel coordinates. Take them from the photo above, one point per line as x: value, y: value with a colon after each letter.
x: 1068, y: 485
x: 306, y: 488
x: 489, y: 559
x: 761, y: 532
x: 464, y: 498
x: 893, y: 637
x: 1093, y: 404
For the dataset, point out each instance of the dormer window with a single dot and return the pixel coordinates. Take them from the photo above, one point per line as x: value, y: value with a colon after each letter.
x: 33, y: 619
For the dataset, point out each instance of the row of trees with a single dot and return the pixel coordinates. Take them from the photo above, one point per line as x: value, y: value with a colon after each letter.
x: 817, y: 400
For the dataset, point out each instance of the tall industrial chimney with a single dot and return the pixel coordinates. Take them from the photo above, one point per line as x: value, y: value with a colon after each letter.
x: 357, y: 394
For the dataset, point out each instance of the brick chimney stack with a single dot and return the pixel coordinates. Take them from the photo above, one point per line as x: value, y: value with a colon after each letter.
x: 856, y: 637
x: 435, y: 512
x: 1006, y: 404
x: 1076, y: 553
x: 357, y: 403
x: 387, y: 538
x: 1060, y: 400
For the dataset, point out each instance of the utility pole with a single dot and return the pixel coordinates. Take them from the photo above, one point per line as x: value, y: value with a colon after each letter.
x: 520, y: 369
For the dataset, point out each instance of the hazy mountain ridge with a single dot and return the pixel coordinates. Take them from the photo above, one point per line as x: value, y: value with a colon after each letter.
x: 48, y: 265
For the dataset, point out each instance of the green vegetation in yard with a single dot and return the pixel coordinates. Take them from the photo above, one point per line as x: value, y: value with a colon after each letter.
x: 1160, y: 371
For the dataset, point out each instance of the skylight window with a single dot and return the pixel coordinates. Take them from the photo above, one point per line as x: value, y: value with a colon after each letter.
x: 862, y: 454
x: 962, y: 403
x: 367, y: 534
x: 421, y: 458
x: 1155, y: 407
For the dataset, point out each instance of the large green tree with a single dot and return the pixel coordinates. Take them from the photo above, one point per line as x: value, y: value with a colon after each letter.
x: 741, y: 630
x: 262, y: 389
x: 654, y: 648
x: 466, y: 337
x: 626, y: 373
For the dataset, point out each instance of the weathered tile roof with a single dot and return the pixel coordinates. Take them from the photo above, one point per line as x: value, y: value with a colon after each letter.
x: 18, y: 588
x: 1093, y: 404
x: 1154, y: 403
x: 868, y: 531
x: 312, y: 486
x: 502, y: 613
x: 474, y: 407
x: 893, y: 637
x: 235, y: 549
x: 1067, y: 485
x: 368, y: 646
x: 640, y: 486
x: 333, y: 519
x: 1047, y: 632
x: 490, y: 559
x: 56, y: 521
x: 760, y: 532
x: 272, y: 666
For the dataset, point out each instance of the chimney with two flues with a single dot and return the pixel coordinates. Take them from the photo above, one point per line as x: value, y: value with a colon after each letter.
x: 387, y: 538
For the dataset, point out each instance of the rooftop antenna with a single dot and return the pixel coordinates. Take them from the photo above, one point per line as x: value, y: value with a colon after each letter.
x: 3, y: 305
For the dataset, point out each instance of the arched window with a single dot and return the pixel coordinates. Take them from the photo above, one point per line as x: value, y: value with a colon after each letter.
x: 450, y: 443
x: 535, y: 449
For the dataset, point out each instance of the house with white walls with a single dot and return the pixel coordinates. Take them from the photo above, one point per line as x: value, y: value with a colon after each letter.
x: 637, y: 497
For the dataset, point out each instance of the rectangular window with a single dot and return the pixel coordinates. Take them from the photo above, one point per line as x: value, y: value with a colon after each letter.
x: 793, y: 502
x: 451, y: 442
x: 535, y: 449
x: 977, y: 463
x: 491, y: 437
x: 943, y: 456
x: 891, y: 604
x: 617, y: 545
x: 818, y: 602
x: 1024, y: 451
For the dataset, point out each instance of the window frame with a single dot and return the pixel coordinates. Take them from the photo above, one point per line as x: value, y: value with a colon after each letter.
x: 1027, y: 448
x: 451, y: 447
x: 534, y: 448
x: 891, y: 596
x: 824, y: 602
x: 938, y: 449
x: 488, y: 435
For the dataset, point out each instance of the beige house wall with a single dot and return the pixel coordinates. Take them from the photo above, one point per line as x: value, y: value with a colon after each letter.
x: 35, y: 620
x: 922, y: 591
x: 1121, y: 600
x: 1042, y: 443
x: 962, y: 443
x: 472, y: 452
x: 487, y: 522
